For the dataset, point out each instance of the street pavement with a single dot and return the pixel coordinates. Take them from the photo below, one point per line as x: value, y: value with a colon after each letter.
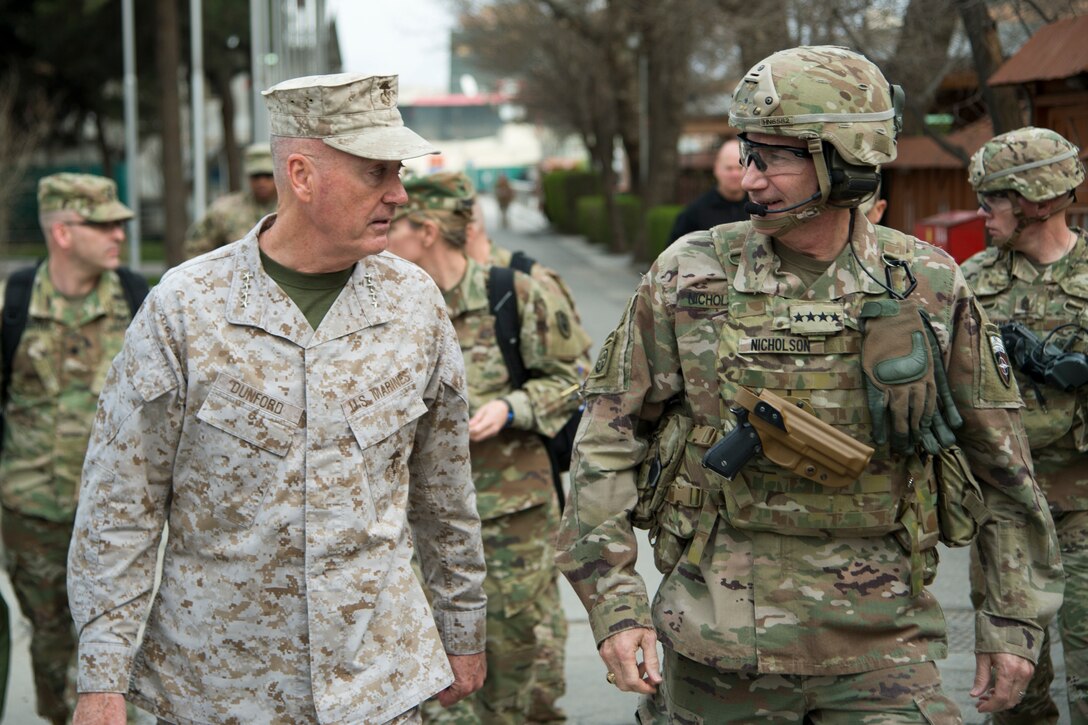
x: 602, y: 284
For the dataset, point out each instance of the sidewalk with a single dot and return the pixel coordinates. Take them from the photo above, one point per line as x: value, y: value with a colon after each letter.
x: 603, y: 283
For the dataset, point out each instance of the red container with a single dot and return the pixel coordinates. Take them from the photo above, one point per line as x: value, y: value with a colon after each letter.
x: 960, y: 233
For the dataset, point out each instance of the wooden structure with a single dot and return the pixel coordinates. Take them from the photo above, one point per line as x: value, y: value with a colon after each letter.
x: 1052, y: 69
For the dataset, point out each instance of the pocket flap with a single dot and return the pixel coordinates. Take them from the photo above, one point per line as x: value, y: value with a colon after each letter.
x: 247, y: 420
x: 379, y: 421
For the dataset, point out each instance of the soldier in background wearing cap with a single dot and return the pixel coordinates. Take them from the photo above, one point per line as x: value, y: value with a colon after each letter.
x: 294, y: 405
x: 1037, y: 275
x: 510, y: 464
x: 75, y: 312
x: 231, y: 216
x: 791, y: 592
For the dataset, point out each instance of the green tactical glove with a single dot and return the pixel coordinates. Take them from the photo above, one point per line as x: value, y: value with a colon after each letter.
x: 905, y: 379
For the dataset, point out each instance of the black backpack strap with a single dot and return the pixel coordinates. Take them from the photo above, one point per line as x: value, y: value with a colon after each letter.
x: 503, y: 302
x: 522, y: 262
x: 16, y: 312
x: 135, y: 287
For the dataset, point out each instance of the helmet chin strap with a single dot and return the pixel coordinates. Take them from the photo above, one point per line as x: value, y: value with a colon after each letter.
x: 1023, y: 221
x: 787, y: 221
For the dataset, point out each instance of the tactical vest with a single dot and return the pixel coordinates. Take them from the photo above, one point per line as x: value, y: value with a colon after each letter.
x: 1041, y: 305
x: 801, y: 350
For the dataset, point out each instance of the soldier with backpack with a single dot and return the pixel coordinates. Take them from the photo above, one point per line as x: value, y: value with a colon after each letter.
x: 510, y: 462
x: 551, y: 655
x: 63, y: 322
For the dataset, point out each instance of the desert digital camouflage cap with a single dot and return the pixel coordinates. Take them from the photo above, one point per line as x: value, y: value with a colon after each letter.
x: 352, y: 112
x: 92, y: 197
x: 258, y: 159
x: 444, y: 191
x: 1037, y: 163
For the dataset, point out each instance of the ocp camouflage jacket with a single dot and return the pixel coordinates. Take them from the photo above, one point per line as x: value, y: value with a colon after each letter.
x: 1010, y: 287
x: 792, y: 577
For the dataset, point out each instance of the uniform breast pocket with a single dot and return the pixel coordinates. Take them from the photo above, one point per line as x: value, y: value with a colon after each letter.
x: 385, y: 431
x: 241, y: 453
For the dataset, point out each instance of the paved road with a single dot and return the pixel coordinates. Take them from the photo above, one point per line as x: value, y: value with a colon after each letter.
x: 603, y: 283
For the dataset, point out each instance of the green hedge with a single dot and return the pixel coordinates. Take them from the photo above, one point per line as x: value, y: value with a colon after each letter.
x: 562, y: 189
x: 659, y: 221
x: 592, y: 221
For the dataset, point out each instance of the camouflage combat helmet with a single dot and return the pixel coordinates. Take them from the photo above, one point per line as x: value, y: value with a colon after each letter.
x: 444, y: 191
x: 840, y: 104
x: 1037, y: 163
x: 824, y: 92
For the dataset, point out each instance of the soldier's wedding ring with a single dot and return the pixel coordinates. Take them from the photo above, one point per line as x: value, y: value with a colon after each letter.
x: 1020, y: 695
x: 611, y: 677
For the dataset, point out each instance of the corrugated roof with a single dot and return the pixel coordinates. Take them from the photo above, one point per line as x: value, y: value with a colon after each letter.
x: 1055, y: 51
x: 922, y: 152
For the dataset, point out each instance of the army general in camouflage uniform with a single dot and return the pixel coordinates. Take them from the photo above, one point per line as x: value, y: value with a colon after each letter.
x: 1037, y: 275
x: 293, y: 405
x: 76, y: 323
x: 231, y: 216
x: 793, y: 593
x: 510, y: 465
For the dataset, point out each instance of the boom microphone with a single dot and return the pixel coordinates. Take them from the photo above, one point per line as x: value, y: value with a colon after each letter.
x: 753, y: 207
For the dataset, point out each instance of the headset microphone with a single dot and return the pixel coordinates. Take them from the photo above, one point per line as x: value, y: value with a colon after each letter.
x: 752, y: 207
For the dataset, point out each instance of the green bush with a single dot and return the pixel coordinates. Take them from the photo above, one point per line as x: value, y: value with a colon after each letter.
x: 630, y: 216
x: 592, y: 219
x: 659, y: 221
x: 562, y: 189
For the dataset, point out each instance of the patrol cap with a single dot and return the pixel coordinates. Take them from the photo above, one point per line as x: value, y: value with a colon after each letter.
x: 444, y: 191
x: 92, y: 197
x: 352, y: 112
x: 258, y: 159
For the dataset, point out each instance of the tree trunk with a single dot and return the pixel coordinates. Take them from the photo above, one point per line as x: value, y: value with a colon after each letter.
x: 167, y: 60
x: 221, y: 84
x: 757, y: 37
x: 922, y: 47
x: 986, y: 51
x: 103, y: 147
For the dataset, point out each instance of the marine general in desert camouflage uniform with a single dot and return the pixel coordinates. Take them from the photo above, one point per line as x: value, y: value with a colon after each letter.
x: 1037, y: 275
x: 510, y: 465
x: 230, y: 217
x: 294, y: 406
x: 76, y: 322
x: 785, y: 599
x: 550, y: 679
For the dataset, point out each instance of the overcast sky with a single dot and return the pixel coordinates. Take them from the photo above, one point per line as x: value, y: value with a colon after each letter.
x: 410, y: 38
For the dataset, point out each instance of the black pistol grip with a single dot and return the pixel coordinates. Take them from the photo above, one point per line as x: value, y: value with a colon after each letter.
x: 728, y: 456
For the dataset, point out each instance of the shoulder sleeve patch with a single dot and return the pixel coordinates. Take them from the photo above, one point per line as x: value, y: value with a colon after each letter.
x: 995, y: 384
x: 612, y: 371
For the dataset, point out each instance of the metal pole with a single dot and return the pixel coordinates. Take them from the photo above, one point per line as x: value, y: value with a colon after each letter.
x: 132, y: 149
x: 200, y: 161
x: 258, y: 29
x: 643, y: 118
x: 322, y: 40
